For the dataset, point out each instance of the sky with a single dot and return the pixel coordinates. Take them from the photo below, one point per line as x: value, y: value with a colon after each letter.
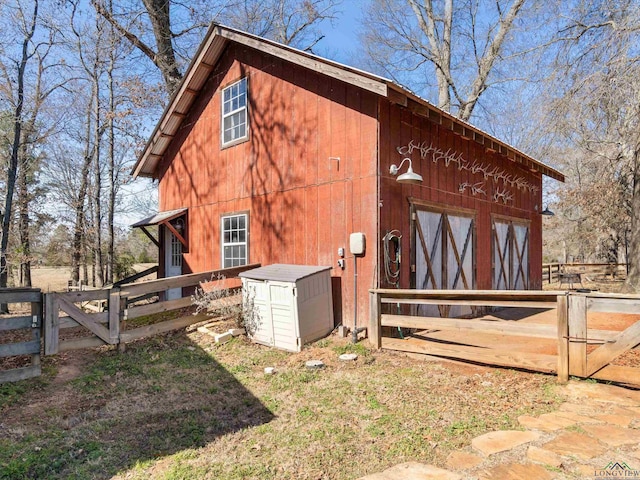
x: 341, y: 38
x: 339, y: 44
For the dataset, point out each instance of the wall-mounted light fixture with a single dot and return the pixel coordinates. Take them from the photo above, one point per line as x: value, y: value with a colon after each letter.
x: 178, y: 225
x: 546, y: 212
x: 409, y: 177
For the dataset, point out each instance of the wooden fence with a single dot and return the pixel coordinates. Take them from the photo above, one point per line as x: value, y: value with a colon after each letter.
x: 551, y: 271
x: 565, y: 347
x: 31, y: 323
x: 592, y: 347
x: 105, y: 328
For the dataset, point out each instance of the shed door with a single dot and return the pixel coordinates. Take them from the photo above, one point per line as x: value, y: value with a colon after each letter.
x: 275, y: 305
x: 510, y: 255
x: 444, y: 256
x: 283, y: 315
x: 257, y: 295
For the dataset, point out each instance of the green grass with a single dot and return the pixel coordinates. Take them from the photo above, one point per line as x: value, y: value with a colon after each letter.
x: 469, y: 426
x: 357, y: 348
x: 11, y: 392
x: 170, y: 408
x: 14, y: 392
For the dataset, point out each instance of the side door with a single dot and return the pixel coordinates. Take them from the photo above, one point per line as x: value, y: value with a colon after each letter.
x: 172, y: 262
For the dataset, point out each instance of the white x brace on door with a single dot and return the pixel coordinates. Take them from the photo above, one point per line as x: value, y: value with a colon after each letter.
x: 510, y: 255
x: 444, y: 255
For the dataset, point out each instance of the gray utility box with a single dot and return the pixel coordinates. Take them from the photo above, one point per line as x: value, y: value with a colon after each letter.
x: 293, y: 304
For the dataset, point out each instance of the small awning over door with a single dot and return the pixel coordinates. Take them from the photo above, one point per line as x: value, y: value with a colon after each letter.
x: 159, y: 218
x: 162, y: 218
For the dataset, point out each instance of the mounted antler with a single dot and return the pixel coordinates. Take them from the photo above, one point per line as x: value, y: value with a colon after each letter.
x: 477, y: 188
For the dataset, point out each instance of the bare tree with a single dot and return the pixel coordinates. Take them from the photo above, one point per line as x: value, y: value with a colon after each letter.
x: 90, y: 58
x: 28, y: 22
x: 35, y: 132
x: 291, y: 22
x: 112, y: 178
x: 597, y: 114
x: 460, y: 43
x: 157, y: 19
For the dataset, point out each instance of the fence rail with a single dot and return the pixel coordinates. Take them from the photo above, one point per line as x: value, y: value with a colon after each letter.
x: 31, y: 322
x: 551, y: 272
x: 568, y: 342
x: 106, y: 328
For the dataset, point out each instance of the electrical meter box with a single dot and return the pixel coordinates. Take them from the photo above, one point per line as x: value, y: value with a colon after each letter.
x: 291, y: 304
x: 357, y: 243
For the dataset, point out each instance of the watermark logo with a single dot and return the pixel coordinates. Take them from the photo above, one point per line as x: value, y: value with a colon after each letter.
x: 617, y: 470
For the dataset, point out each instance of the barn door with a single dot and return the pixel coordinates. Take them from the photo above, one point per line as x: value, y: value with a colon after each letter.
x: 444, y: 255
x: 510, y: 255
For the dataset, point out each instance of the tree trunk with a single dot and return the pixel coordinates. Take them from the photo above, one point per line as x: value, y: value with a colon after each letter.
x: 165, y: 58
x: 15, y: 150
x: 23, y: 219
x: 97, y: 198
x: 78, y: 230
x: 633, y: 260
x: 85, y: 263
x: 111, y: 154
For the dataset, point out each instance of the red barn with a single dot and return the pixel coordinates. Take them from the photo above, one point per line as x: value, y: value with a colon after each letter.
x: 267, y: 154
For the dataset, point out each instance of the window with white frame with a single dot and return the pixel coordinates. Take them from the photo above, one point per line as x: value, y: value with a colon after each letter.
x: 176, y: 252
x: 235, y: 233
x: 234, y: 113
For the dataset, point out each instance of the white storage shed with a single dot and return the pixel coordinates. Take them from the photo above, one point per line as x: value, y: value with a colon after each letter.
x: 293, y: 304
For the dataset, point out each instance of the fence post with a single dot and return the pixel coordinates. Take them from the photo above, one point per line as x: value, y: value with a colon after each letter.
x: 374, y: 320
x: 36, y: 324
x: 577, y: 319
x: 563, y: 340
x: 114, y: 315
x: 51, y: 324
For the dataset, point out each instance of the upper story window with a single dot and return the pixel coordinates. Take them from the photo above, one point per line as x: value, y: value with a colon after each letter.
x: 234, y: 113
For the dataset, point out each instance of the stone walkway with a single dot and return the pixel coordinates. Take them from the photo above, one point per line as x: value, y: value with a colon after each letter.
x: 594, y: 434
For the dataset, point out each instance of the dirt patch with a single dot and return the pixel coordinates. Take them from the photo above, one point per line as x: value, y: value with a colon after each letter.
x: 71, y: 365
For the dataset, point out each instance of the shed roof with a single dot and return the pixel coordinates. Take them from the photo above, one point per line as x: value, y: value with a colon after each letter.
x: 280, y: 272
x: 212, y: 47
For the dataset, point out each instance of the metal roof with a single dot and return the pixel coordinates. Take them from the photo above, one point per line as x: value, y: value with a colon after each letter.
x: 159, y: 218
x: 280, y: 272
x: 214, y: 43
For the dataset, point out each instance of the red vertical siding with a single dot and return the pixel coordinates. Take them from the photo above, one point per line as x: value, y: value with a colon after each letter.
x: 442, y: 185
x: 302, y: 202
x: 316, y: 169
